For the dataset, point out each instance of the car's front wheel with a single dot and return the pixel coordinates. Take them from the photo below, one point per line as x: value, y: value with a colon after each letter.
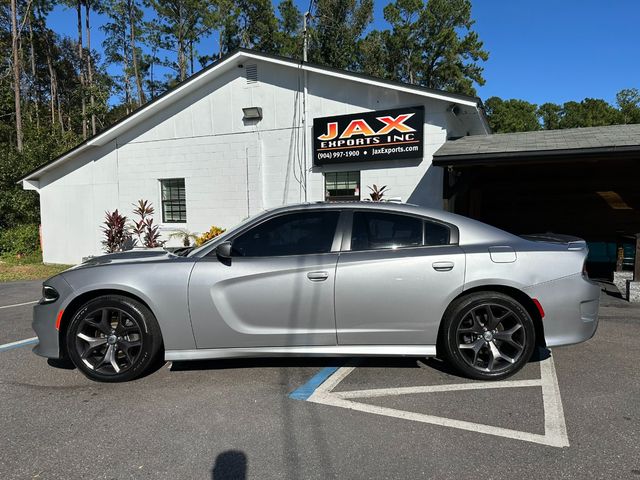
x: 488, y: 335
x: 113, y: 338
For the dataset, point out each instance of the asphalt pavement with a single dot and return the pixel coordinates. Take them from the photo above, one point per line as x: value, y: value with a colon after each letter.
x: 369, y: 419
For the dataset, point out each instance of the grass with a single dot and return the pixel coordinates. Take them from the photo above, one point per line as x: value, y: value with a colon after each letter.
x: 28, y: 267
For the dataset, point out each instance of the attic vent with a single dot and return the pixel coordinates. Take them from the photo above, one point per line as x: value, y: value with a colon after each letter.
x: 252, y: 74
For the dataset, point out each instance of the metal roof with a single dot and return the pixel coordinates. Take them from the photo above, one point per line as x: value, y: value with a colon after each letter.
x: 545, y: 143
x: 228, y: 61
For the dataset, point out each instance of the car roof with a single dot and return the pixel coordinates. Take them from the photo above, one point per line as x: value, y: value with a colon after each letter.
x: 471, y: 231
x: 398, y: 207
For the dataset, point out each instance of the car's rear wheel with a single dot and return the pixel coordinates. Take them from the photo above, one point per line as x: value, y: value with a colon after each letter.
x: 113, y: 338
x: 488, y: 336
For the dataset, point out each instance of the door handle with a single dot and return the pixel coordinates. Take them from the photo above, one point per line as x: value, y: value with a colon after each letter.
x: 442, y: 266
x: 317, y: 276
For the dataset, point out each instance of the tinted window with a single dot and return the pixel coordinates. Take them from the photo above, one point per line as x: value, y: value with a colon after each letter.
x: 292, y: 234
x: 435, y: 234
x: 373, y: 230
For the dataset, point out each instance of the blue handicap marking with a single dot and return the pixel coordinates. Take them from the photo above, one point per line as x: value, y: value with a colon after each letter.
x: 305, y: 391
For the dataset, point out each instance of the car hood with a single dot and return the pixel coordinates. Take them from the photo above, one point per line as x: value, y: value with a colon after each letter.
x: 130, y: 256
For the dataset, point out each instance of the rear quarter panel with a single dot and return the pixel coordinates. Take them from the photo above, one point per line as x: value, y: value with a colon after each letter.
x: 534, y: 263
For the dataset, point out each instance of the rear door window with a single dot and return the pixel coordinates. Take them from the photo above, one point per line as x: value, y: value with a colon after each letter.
x: 436, y: 233
x: 377, y: 230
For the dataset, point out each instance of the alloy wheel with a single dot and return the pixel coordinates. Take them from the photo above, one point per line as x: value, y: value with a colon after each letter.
x: 491, y: 337
x: 108, y: 340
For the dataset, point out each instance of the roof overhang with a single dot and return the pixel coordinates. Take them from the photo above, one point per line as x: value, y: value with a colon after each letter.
x: 226, y: 63
x: 537, y: 156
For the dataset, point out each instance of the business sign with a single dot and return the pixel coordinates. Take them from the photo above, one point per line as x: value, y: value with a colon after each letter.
x: 363, y: 137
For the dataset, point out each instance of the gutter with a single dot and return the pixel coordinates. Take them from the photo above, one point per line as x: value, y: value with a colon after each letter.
x: 528, y: 156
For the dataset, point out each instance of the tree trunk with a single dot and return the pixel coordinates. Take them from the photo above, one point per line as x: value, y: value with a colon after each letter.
x: 182, y: 58
x: 60, y: 119
x: 182, y: 54
x: 125, y: 73
x: 92, y: 100
x: 191, y: 55
x: 81, y: 72
x: 53, y: 84
x: 134, y: 55
x: 36, y: 92
x: 16, y: 74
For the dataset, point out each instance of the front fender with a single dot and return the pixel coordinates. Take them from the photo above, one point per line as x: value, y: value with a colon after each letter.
x: 162, y: 286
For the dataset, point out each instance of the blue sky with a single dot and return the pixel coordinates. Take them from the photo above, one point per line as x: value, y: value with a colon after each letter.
x: 540, y: 50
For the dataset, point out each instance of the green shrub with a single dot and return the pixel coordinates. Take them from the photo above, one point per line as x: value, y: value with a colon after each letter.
x: 19, y: 240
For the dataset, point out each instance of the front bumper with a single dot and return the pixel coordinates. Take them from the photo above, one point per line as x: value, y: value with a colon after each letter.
x: 44, y: 320
x: 571, y: 309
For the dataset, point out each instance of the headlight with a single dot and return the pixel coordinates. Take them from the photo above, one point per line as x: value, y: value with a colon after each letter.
x: 49, y: 294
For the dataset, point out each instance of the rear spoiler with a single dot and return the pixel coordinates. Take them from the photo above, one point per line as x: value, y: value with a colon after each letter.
x: 572, y: 243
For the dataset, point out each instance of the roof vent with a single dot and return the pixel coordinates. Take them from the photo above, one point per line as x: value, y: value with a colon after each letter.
x: 251, y: 72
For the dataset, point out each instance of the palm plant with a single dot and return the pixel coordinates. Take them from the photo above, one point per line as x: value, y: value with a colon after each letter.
x: 185, y: 236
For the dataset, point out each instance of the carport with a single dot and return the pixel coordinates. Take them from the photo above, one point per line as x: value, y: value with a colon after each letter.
x: 581, y: 181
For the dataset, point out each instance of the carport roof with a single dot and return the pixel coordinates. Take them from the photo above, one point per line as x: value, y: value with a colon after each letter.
x: 545, y: 144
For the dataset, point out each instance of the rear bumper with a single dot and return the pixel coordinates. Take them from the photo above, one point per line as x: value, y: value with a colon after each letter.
x: 44, y: 321
x: 571, y: 309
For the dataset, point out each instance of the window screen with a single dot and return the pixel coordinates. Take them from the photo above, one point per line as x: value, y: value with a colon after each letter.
x: 375, y: 230
x: 174, y: 201
x: 292, y: 234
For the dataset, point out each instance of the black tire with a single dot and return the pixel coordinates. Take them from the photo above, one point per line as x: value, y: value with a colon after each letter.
x: 113, y: 338
x: 487, y: 336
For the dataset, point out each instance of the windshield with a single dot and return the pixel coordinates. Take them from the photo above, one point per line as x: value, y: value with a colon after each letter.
x: 228, y: 233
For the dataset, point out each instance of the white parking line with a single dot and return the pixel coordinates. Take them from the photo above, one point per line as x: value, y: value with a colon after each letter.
x: 19, y: 304
x: 555, y: 430
x: 19, y: 343
x: 384, y: 392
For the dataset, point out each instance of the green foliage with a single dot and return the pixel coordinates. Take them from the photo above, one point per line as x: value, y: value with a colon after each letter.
x: 289, y: 35
x: 511, y: 115
x: 591, y: 112
x: 430, y: 44
x: 549, y: 114
x: 335, y: 30
x: 628, y: 101
x: 520, y: 116
x: 19, y: 240
x: 18, y: 206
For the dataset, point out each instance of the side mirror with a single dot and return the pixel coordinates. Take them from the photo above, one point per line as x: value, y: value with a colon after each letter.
x: 224, y: 250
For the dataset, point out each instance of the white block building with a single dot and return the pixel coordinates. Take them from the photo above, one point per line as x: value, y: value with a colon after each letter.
x: 199, y: 157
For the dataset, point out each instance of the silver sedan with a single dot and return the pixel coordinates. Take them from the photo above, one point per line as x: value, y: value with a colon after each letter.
x: 325, y: 279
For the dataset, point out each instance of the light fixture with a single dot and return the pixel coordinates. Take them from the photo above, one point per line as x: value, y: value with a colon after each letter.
x: 252, y: 113
x: 614, y: 200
